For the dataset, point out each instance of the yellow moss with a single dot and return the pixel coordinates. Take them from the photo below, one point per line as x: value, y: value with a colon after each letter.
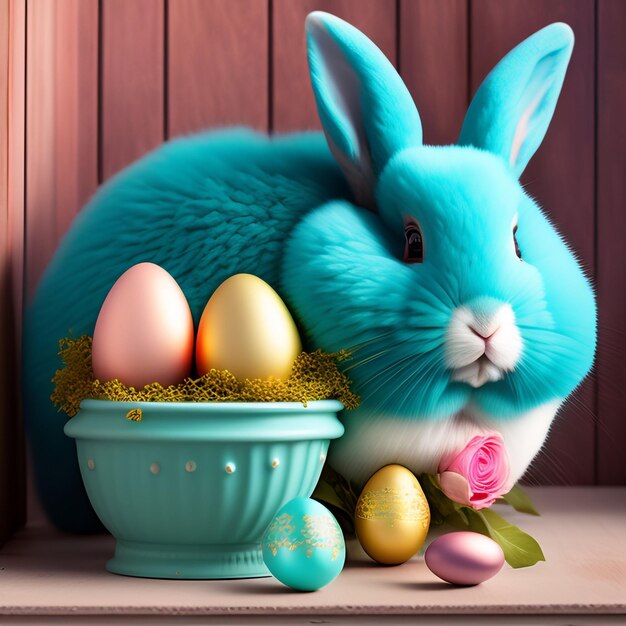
x: 314, y: 376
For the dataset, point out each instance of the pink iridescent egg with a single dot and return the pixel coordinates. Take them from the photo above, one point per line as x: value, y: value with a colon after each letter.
x: 464, y: 558
x: 144, y: 332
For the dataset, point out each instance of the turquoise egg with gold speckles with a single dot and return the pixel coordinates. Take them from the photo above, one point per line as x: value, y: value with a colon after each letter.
x: 303, y: 547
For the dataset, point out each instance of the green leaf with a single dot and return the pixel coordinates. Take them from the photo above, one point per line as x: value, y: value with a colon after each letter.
x: 459, y: 520
x: 520, y: 549
x: 334, y: 491
x: 520, y: 501
x: 438, y: 501
x: 325, y: 493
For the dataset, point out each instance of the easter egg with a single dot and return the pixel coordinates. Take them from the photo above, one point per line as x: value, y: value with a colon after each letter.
x: 247, y: 329
x: 144, y: 331
x: 303, y: 547
x: 392, y: 515
x: 464, y: 558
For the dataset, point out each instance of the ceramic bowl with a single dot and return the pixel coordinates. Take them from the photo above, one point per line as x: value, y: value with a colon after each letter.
x: 187, y: 489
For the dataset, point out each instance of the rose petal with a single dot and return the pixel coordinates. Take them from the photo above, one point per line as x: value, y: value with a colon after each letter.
x: 461, y: 460
x: 455, y: 487
x: 446, y: 461
x: 479, y: 473
x: 481, y: 501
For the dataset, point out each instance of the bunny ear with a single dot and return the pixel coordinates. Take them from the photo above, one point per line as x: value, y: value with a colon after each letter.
x: 365, y: 109
x: 512, y: 109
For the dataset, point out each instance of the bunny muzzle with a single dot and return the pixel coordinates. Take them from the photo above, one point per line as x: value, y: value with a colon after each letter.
x: 482, y: 345
x: 482, y: 342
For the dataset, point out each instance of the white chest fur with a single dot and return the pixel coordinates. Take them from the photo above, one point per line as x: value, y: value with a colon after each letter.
x: 370, y: 442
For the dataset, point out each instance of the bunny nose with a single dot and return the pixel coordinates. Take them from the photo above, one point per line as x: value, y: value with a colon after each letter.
x: 483, y: 334
x: 487, y: 315
x: 476, y: 362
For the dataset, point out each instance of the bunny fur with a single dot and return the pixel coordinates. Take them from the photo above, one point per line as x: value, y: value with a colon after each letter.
x: 472, y: 338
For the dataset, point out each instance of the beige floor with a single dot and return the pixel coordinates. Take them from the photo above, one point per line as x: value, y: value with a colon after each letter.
x: 582, y: 532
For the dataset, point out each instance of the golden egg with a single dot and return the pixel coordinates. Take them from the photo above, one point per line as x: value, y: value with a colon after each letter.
x: 247, y: 329
x: 392, y: 515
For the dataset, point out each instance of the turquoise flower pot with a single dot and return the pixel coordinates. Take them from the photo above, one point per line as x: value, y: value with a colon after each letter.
x: 187, y: 489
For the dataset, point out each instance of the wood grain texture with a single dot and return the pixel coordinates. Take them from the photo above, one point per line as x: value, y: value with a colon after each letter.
x: 61, y: 122
x: 561, y: 177
x: 292, y: 96
x: 12, y: 83
x: 132, y: 102
x: 16, y: 153
x: 218, y: 64
x: 7, y: 357
x: 433, y: 64
x: 40, y: 140
x: 611, y: 254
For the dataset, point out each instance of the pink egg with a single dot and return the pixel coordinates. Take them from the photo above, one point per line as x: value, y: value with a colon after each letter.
x: 464, y: 558
x: 144, y: 332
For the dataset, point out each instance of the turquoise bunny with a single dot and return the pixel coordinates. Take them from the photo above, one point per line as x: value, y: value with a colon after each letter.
x: 465, y: 309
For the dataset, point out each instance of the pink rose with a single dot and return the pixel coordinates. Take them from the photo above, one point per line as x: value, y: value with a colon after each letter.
x: 478, y: 474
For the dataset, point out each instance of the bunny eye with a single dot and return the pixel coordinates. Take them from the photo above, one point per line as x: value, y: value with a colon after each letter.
x: 517, y: 250
x: 414, y: 243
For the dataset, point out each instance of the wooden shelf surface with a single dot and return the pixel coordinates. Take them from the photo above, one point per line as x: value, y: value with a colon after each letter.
x: 582, y: 532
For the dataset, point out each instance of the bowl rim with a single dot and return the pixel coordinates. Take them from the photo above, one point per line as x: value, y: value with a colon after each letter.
x: 206, y: 421
x: 324, y: 406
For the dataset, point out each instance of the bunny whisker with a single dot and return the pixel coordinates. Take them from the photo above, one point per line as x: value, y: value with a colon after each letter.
x: 408, y: 363
x: 611, y: 329
x: 525, y: 387
x: 417, y: 375
x: 389, y: 371
x: 358, y: 346
x: 415, y: 380
x: 617, y: 390
x: 610, y: 344
x: 562, y: 458
x: 560, y: 473
x: 370, y: 358
x: 613, y: 349
x: 413, y: 374
x: 367, y: 360
x: 582, y: 410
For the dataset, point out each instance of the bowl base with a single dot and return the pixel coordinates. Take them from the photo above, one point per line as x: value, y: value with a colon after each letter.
x: 212, y: 562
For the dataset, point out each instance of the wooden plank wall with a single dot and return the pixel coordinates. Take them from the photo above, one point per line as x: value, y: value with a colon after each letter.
x: 12, y: 115
x: 132, y: 113
x: 610, y: 249
x: 61, y: 122
x: 107, y: 80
